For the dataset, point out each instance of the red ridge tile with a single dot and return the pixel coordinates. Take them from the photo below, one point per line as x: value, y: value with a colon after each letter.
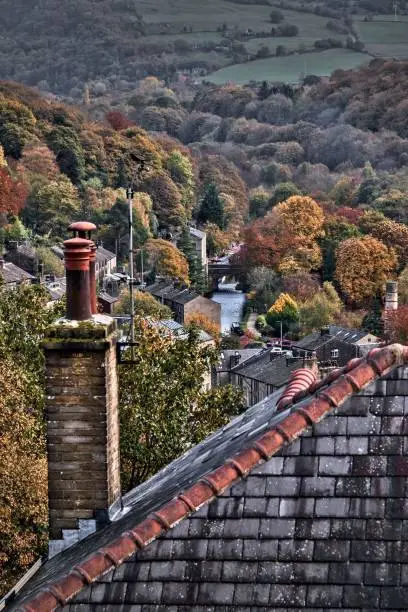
x: 223, y: 477
x: 248, y: 459
x: 292, y: 426
x: 337, y: 392
x: 199, y: 493
x: 123, y: 548
x: 69, y: 586
x: 148, y: 530
x: 172, y: 513
x: 96, y: 565
x: 43, y: 602
x: 317, y: 409
x: 272, y: 441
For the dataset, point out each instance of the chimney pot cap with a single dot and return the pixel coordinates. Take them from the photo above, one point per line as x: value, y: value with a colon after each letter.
x: 77, y: 243
x: 82, y: 226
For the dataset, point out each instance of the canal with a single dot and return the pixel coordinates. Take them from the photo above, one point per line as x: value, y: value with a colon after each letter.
x: 232, y: 304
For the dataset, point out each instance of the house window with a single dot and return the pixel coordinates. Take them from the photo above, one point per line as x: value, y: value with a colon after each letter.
x: 334, y: 353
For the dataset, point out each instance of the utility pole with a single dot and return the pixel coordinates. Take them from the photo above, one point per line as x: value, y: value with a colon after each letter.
x: 281, y: 335
x: 129, y: 194
x: 395, y: 11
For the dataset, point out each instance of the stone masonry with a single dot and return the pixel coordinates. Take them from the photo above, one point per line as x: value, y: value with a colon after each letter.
x: 82, y: 428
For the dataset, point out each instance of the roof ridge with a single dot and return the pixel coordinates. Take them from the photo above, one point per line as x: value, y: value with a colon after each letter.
x: 354, y: 377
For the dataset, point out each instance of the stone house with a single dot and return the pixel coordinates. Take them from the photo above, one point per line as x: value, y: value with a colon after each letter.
x: 200, y: 241
x: 23, y: 256
x: 299, y: 503
x: 183, y: 302
x: 12, y: 276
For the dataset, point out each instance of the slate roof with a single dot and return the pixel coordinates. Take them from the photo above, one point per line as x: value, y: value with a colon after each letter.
x: 11, y: 274
x: 261, y: 367
x: 57, y: 289
x: 244, y: 355
x: 167, y: 290
x: 103, y: 255
x: 197, y: 233
x: 211, y: 472
x: 316, y: 339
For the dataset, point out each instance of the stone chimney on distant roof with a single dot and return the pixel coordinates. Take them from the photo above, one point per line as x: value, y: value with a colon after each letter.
x: 81, y: 410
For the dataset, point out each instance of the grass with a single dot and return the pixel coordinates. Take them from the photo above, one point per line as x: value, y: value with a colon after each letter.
x: 385, y: 38
x: 290, y: 68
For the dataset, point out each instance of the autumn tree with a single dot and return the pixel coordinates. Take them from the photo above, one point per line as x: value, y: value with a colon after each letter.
x: 145, y: 305
x: 285, y: 311
x: 164, y: 409
x: 200, y: 321
x: 321, y: 309
x: 53, y: 207
x: 335, y: 231
x: 181, y: 171
x: 265, y: 285
x: 13, y: 193
x: 39, y: 159
x: 397, y: 325
x: 118, y: 121
x: 301, y: 285
x: 362, y: 267
x: 167, y: 260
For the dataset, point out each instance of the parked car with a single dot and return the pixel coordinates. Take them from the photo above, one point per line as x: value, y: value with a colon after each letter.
x: 236, y: 328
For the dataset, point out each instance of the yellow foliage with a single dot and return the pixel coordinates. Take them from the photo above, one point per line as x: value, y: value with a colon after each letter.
x: 362, y: 267
x: 143, y: 205
x: 168, y: 259
x: 302, y: 217
x: 202, y: 322
x: 3, y: 162
x: 283, y: 301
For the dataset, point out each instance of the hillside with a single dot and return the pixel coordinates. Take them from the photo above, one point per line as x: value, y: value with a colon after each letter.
x: 111, y: 44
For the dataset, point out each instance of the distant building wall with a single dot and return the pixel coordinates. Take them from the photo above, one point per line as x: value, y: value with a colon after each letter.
x: 204, y: 306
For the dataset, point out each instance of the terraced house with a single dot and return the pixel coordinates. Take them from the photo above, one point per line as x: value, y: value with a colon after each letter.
x: 300, y: 503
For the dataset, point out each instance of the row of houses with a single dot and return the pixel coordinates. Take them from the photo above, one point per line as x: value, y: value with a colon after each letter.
x: 260, y: 372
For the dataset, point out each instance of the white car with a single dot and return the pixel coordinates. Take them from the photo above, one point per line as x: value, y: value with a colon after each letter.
x: 276, y: 350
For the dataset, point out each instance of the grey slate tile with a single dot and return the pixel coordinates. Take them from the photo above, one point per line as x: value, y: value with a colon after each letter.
x: 332, y: 550
x: 217, y: 594
x: 396, y: 508
x: 226, y: 508
x: 397, y: 466
x: 363, y: 597
x: 328, y: 597
x: 273, y: 467
x: 314, y: 530
x: 325, y: 446
x: 258, y: 506
x: 300, y: 507
x: 386, y: 445
x: 334, y: 466
x: 179, y: 593
x: 190, y: 549
x: 205, y: 528
x: 247, y: 528
x: 225, y: 549
x: 382, y: 574
x: 108, y: 593
x: 348, y: 529
x: 388, y: 487
x: 132, y: 572
x: 266, y: 550
x: 332, y: 507
x: 296, y: 550
x: 367, y: 508
x: 368, y: 551
x: 394, y: 597
x: 300, y: 466
x: 276, y: 528
x: 384, y: 530
x: 144, y: 592
x: 282, y: 486
x: 167, y: 570
x: 353, y: 487
x: 244, y: 594
x: 331, y: 426
x: 369, y: 466
x: 390, y: 406
x: 346, y: 573
x: 393, y: 426
x: 285, y: 595
x: 255, y: 486
x: 318, y: 486
x: 239, y: 571
x: 161, y: 549
x: 354, y: 445
x: 362, y: 426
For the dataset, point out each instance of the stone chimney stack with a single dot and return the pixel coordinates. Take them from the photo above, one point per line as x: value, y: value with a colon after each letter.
x: 81, y: 410
x: 391, y: 295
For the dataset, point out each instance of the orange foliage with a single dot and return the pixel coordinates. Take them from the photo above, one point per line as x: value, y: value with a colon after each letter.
x: 167, y: 259
x: 13, y: 193
x: 118, y: 121
x: 362, y: 267
x: 202, y: 322
x: 397, y: 325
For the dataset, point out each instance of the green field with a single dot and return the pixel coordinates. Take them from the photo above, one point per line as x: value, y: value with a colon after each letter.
x: 385, y: 37
x: 290, y: 68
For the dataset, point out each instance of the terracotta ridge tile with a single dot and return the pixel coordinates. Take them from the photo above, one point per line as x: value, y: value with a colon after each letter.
x: 336, y: 388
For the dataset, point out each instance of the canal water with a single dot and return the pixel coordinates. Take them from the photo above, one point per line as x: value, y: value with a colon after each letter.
x: 232, y: 304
